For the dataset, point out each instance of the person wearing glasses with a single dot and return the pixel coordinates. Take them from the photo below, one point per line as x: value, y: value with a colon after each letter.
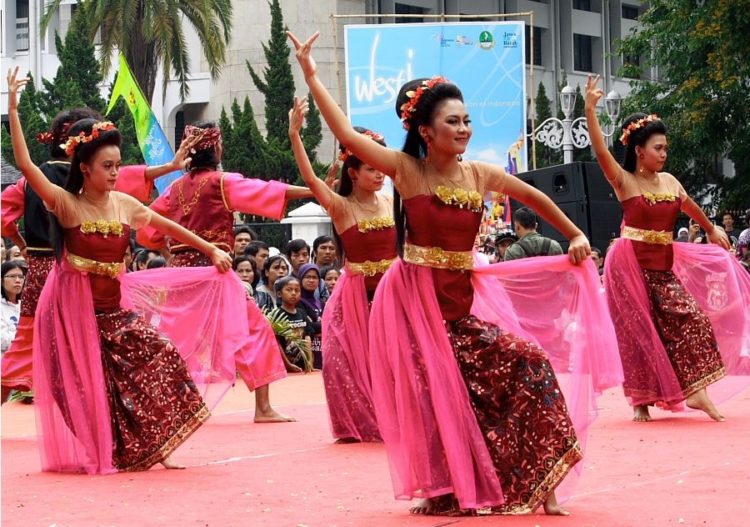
x: 14, y: 275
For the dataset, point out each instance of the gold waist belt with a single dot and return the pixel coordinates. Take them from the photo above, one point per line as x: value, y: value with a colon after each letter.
x: 438, y: 258
x: 92, y: 266
x: 647, y: 236
x: 369, y: 268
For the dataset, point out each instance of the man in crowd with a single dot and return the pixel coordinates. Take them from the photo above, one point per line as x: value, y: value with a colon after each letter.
x: 242, y: 237
x: 530, y: 242
x: 324, y: 251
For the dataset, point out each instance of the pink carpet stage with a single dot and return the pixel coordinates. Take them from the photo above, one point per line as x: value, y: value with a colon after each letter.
x: 681, y: 469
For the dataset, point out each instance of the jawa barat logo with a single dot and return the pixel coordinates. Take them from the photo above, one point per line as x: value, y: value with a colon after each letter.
x: 486, y: 40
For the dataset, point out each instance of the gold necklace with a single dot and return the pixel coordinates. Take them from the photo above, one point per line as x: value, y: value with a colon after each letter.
x: 364, y: 207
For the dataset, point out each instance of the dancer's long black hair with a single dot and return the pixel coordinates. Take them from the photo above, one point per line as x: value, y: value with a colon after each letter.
x: 346, y: 185
x: 83, y: 153
x: 639, y: 137
x: 208, y: 158
x: 414, y: 144
x: 60, y: 127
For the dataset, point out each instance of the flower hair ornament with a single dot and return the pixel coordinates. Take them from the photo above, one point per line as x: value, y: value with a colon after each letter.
x: 343, y: 156
x: 47, y: 138
x: 637, y: 125
x: 210, y: 137
x: 410, y: 106
x: 73, y: 141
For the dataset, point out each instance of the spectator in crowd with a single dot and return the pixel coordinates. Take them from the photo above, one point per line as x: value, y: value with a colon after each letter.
x: 324, y: 251
x: 310, y: 282
x: 530, y: 242
x: 13, y: 253
x: 503, y: 240
x: 682, y: 235
x: 329, y: 275
x: 298, y: 253
x: 2, y: 249
x: 743, y: 241
x: 13, y: 276
x: 257, y: 250
x: 288, y: 299
x: 728, y: 221
x: 248, y: 273
x: 142, y: 258
x: 156, y: 262
x: 274, y: 268
x: 242, y: 237
x: 596, y: 255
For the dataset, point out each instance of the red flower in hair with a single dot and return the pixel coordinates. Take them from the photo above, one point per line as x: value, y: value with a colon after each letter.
x: 410, y: 106
x: 45, y: 138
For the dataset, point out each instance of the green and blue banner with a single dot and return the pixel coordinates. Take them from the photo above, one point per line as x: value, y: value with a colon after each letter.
x: 154, y: 146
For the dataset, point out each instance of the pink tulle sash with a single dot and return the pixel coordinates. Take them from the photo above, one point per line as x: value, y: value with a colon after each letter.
x: 197, y: 308
x: 720, y: 286
x: 346, y: 372
x: 70, y: 394
x: 561, y: 307
x: 432, y: 438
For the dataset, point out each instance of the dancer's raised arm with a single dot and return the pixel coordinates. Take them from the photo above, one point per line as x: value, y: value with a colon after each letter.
x: 319, y: 188
x: 612, y: 169
x: 34, y: 176
x: 370, y: 152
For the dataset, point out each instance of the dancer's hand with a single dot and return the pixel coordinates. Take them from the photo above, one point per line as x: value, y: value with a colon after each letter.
x: 579, y: 249
x: 592, y: 92
x: 14, y: 83
x: 309, y: 68
x: 181, y: 160
x: 331, y: 180
x: 719, y: 237
x: 221, y: 260
x: 297, y: 115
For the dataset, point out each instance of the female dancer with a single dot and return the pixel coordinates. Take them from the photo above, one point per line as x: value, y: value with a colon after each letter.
x: 204, y: 201
x: 111, y: 392
x: 667, y: 344
x: 471, y: 414
x: 21, y: 202
x: 364, y: 224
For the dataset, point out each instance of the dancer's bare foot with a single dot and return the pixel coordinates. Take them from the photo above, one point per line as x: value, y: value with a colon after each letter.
x: 445, y: 505
x: 272, y: 416
x: 551, y: 507
x: 640, y: 414
x: 171, y: 465
x: 700, y: 401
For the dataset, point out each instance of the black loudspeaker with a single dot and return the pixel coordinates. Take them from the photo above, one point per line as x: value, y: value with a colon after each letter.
x: 582, y: 192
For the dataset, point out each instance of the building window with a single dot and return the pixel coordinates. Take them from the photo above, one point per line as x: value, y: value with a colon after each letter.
x: 537, y: 46
x: 22, y: 25
x: 582, y: 5
x: 582, y: 53
x: 630, y: 12
x: 406, y: 9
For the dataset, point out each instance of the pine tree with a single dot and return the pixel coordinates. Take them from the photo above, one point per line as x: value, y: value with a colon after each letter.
x: 312, y: 133
x: 77, y: 80
x: 545, y: 156
x: 277, y: 84
x: 33, y: 123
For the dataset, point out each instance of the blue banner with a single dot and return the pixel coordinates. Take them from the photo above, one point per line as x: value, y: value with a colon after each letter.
x: 485, y: 60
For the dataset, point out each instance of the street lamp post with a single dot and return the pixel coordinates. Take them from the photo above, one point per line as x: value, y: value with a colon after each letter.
x: 570, y: 133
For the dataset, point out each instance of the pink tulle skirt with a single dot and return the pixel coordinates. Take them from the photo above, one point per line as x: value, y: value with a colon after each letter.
x: 719, y: 286
x: 346, y: 374
x: 431, y: 434
x: 72, y: 397
x: 259, y: 361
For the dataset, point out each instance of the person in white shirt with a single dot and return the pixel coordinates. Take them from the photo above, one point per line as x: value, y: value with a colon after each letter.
x: 14, y: 275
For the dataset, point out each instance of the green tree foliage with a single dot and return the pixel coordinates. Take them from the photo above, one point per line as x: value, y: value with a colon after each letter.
x: 702, y: 50
x: 151, y: 33
x: 277, y: 84
x: 245, y: 149
x: 33, y: 122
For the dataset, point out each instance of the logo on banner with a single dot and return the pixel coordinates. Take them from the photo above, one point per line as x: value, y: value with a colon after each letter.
x: 486, y: 40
